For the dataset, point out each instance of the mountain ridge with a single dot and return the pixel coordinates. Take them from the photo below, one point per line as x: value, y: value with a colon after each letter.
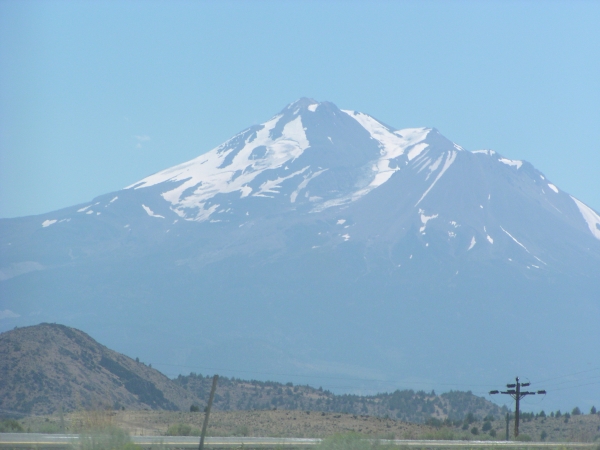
x: 283, y: 255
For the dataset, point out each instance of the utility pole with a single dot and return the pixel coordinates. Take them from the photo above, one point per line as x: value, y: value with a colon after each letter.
x: 517, y: 394
x: 210, y: 400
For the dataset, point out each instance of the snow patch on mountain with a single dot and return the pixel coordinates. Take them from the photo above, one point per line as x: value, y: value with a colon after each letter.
x: 472, y: 244
x: 591, y: 218
x: 554, y: 188
x: 425, y: 219
x: 304, y: 183
x: 511, y: 162
x: 271, y: 186
x: 223, y: 170
x: 47, y: 223
x: 151, y: 213
x: 450, y: 157
x: 514, y: 239
x: 391, y: 144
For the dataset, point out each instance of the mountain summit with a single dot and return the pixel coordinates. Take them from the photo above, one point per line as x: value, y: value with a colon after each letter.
x: 323, y: 242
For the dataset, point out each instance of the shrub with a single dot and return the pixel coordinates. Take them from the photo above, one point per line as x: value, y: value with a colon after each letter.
x: 348, y: 441
x: 486, y: 426
x: 242, y: 431
x: 493, y: 433
x: 523, y: 438
x: 109, y: 438
x: 10, y: 426
x: 543, y: 436
x: 576, y: 411
x: 194, y: 408
x: 434, y: 422
x: 183, y: 429
x: 443, y: 434
x: 474, y: 430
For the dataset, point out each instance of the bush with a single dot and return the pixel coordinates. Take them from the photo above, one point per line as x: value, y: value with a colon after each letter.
x: 523, y: 438
x: 474, y: 430
x: 543, y: 436
x: 443, y: 434
x: 493, y: 433
x: 576, y: 411
x: 109, y: 438
x: 10, y: 426
x: 486, y: 426
x: 194, y: 408
x: 434, y: 422
x: 182, y: 429
x: 243, y: 431
x: 348, y: 441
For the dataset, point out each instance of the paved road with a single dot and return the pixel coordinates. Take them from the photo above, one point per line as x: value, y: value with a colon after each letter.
x: 42, y: 441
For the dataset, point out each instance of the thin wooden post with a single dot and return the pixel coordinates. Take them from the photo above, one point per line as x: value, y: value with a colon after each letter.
x: 210, y: 400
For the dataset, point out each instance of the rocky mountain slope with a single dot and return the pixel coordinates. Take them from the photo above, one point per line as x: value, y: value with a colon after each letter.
x: 47, y: 367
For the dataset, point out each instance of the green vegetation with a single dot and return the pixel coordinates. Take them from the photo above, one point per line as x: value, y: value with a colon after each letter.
x: 407, y: 405
x: 351, y: 441
x: 183, y: 429
x: 109, y: 438
x: 523, y: 438
x: 10, y: 426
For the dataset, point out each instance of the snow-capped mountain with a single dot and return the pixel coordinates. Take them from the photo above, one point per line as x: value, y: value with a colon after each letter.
x: 320, y: 231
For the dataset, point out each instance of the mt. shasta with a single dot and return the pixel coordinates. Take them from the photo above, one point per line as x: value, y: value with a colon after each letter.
x: 324, y: 244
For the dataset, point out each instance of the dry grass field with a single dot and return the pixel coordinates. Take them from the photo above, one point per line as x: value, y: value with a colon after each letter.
x: 283, y: 423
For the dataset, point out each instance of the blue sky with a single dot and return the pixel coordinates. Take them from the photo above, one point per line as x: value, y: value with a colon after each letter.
x: 97, y: 95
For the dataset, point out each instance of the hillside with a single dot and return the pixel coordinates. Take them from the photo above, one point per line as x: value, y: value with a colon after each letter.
x: 49, y: 366
x: 407, y: 405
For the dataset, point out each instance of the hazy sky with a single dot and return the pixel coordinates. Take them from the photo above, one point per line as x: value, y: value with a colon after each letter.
x: 96, y: 95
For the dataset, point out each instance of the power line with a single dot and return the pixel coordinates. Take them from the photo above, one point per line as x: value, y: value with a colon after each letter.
x: 568, y: 375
